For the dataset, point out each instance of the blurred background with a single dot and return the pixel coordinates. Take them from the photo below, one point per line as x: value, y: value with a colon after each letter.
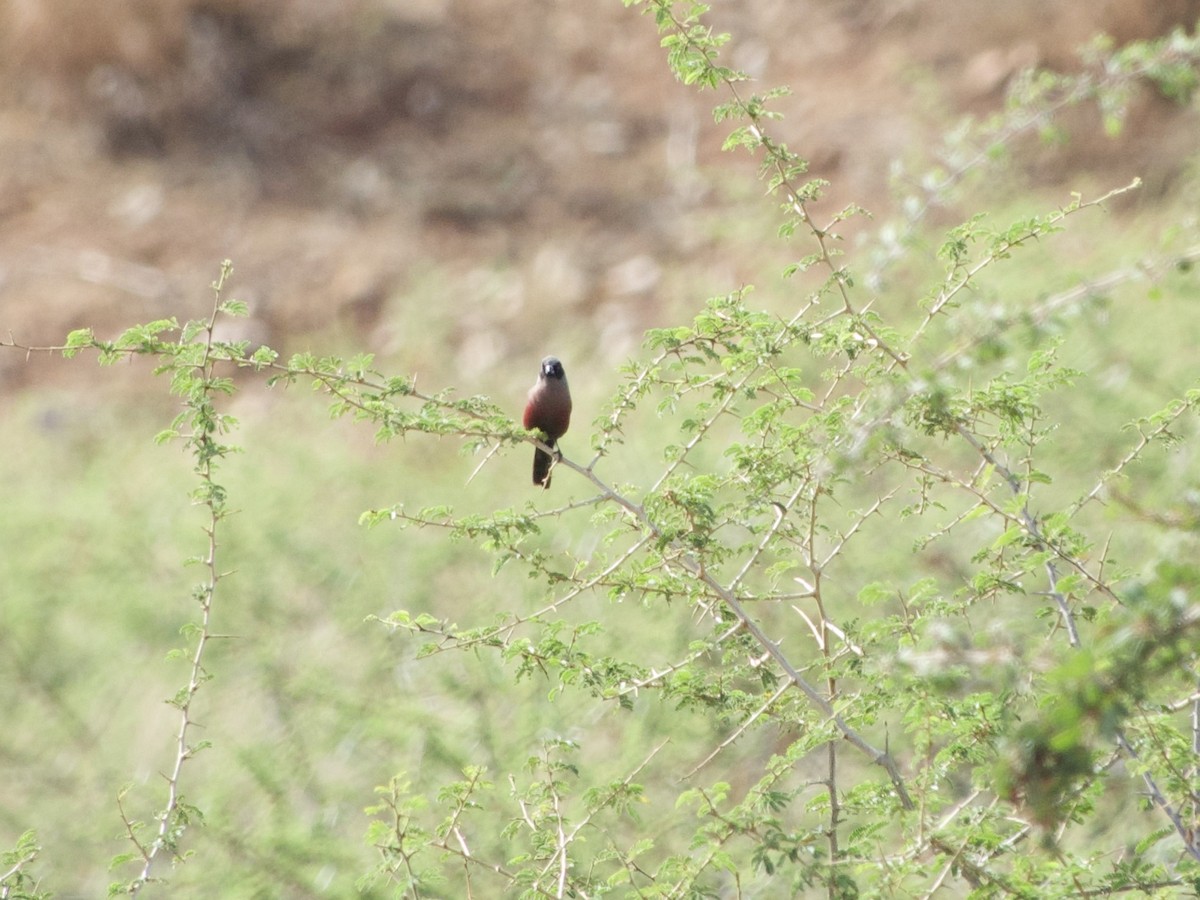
x: 459, y: 186
x: 465, y: 184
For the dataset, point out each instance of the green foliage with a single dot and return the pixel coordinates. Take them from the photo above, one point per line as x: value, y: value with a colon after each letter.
x: 15, y: 881
x: 866, y: 631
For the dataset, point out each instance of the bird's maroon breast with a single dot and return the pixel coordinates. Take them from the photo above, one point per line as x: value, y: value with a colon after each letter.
x: 549, y: 409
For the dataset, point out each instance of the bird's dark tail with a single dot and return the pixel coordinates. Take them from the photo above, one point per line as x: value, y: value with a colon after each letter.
x: 541, y: 467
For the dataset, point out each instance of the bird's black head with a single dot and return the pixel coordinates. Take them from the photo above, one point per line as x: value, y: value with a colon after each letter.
x: 552, y: 368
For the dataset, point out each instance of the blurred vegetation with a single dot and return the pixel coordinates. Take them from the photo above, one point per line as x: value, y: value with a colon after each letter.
x: 423, y: 680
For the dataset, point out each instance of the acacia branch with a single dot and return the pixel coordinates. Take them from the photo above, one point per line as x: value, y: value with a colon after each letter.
x: 697, y: 570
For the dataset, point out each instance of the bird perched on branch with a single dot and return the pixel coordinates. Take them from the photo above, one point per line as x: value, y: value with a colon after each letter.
x: 548, y: 410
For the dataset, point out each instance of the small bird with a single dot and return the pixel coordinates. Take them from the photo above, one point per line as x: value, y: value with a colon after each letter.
x: 548, y: 409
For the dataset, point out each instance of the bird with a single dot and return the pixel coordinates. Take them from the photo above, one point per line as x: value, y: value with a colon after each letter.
x: 548, y: 410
